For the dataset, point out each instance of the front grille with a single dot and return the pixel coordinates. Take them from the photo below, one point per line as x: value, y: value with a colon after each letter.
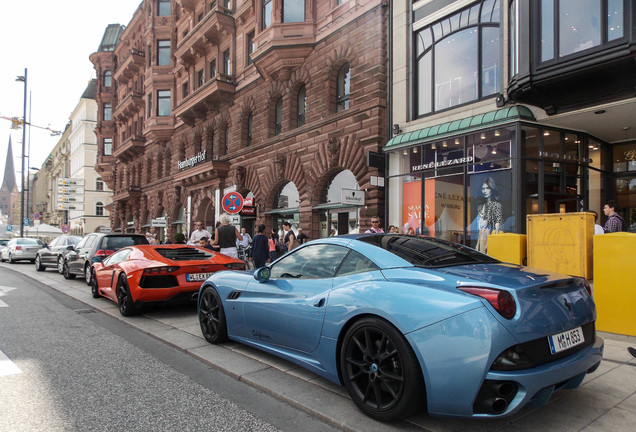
x: 162, y: 281
x: 185, y: 254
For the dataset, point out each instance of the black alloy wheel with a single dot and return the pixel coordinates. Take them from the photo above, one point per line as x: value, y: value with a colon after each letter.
x: 60, y: 264
x: 94, y: 289
x: 38, y: 264
x: 124, y: 300
x: 380, y: 370
x: 66, y: 272
x: 212, y: 317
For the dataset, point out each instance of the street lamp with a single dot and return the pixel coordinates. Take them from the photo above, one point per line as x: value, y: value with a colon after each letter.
x: 24, y: 80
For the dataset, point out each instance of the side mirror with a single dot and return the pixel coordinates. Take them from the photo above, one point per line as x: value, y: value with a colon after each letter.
x: 97, y: 259
x: 262, y: 274
x: 70, y: 248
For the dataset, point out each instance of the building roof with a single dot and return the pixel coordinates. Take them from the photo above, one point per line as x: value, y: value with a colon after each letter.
x: 111, y: 37
x: 9, y: 183
x: 465, y: 125
x: 91, y: 90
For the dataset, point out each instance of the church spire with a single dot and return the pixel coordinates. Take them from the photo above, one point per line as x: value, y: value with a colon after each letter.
x: 8, y: 183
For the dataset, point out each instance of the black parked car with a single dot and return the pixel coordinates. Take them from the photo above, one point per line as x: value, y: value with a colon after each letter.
x: 78, y: 260
x: 52, y: 254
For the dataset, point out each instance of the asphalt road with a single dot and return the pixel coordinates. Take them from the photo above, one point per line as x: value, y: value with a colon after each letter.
x: 82, y: 370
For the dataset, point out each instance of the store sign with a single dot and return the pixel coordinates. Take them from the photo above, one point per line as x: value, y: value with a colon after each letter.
x: 630, y: 155
x: 442, y: 163
x: 190, y: 162
x: 562, y: 157
x: 352, y: 197
x: 159, y: 222
x: 248, y: 211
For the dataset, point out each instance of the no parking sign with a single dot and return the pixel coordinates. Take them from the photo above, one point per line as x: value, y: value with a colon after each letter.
x: 232, y: 202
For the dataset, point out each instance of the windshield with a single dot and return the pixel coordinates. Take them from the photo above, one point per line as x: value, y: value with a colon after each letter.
x: 428, y: 251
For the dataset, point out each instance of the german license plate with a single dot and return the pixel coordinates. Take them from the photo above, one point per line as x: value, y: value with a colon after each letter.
x: 197, y: 277
x: 566, y: 340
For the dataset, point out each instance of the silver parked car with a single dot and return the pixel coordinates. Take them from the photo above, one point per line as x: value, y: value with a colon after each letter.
x: 21, y: 248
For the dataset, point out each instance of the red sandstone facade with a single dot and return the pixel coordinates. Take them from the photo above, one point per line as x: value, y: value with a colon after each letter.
x: 236, y: 78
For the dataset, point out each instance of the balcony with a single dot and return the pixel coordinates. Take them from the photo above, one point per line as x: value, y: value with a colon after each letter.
x: 130, y: 66
x: 206, y: 98
x: 132, y: 147
x: 105, y: 167
x: 212, y: 28
x: 129, y: 106
x: 210, y: 170
x: 283, y: 48
x: 127, y: 193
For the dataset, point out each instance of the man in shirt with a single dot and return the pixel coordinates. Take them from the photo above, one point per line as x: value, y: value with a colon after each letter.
x: 375, y: 226
x: 615, y: 222
x: 247, y: 239
x: 302, y: 237
x: 198, y: 233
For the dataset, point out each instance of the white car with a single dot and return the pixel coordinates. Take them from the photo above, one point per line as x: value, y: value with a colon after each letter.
x: 21, y: 249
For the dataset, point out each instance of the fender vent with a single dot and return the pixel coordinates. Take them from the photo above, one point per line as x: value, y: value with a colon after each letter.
x: 234, y: 295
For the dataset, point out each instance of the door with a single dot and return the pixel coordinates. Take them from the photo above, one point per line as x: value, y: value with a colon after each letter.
x: 107, y: 274
x: 76, y: 257
x: 288, y: 309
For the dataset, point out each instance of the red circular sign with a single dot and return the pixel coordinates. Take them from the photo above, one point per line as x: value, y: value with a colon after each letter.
x: 66, y: 229
x: 232, y: 202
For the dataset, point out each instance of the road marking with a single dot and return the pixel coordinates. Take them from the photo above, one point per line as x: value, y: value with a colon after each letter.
x: 3, y: 291
x: 7, y: 367
x: 3, y: 304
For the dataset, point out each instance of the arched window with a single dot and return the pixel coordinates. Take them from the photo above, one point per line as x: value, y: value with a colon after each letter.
x: 99, y: 208
x: 278, y: 117
x: 458, y: 58
x: 108, y: 78
x: 301, y: 106
x: 342, y: 88
x: 248, y: 131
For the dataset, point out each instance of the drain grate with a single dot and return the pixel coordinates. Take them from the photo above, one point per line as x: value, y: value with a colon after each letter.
x: 84, y: 311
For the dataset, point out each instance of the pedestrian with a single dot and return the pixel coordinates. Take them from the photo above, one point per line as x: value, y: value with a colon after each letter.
x: 597, y: 228
x: 179, y: 238
x: 290, y: 241
x: 615, y: 222
x: 226, y: 235
x: 274, y: 247
x: 247, y: 239
x: 393, y: 229
x: 375, y: 226
x: 302, y: 237
x: 204, y: 242
x: 260, y: 247
x: 198, y: 233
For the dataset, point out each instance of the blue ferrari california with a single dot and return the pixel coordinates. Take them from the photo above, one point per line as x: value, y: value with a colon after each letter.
x: 411, y: 323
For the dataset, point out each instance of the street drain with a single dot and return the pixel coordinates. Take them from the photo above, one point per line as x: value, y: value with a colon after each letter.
x: 84, y: 311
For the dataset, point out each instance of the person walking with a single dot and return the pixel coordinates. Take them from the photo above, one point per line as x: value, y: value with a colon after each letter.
x: 274, y: 247
x: 225, y: 236
x: 615, y: 222
x: 375, y: 226
x: 260, y: 247
x: 290, y: 237
x: 302, y: 237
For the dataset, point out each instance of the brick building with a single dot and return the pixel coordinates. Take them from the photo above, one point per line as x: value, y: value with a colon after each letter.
x: 279, y: 100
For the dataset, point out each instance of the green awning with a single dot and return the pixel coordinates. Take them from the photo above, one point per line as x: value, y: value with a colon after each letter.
x: 283, y: 211
x: 462, y: 126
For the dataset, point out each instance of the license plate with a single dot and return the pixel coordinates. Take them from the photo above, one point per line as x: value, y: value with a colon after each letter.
x: 566, y: 340
x: 197, y: 277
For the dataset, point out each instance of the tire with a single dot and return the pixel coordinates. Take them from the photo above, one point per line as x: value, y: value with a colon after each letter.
x: 60, y: 264
x: 87, y: 274
x: 124, y: 300
x: 212, y: 317
x: 11, y: 259
x: 38, y: 264
x: 66, y: 272
x: 1, y: 258
x: 94, y: 289
x: 380, y: 371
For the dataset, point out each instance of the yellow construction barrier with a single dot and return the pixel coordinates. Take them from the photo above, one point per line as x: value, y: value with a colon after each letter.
x: 615, y: 282
x: 508, y: 247
x: 561, y: 242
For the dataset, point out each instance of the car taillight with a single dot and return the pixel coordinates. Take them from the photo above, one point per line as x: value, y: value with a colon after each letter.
x: 160, y: 270
x: 587, y: 286
x: 235, y: 266
x: 103, y: 253
x: 501, y: 300
x: 18, y: 248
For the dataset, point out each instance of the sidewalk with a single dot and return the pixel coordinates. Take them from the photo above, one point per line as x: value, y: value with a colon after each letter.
x: 606, y: 400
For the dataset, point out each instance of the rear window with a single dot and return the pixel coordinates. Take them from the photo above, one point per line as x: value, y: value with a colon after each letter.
x: 428, y: 252
x: 27, y: 241
x: 118, y: 242
x: 185, y: 254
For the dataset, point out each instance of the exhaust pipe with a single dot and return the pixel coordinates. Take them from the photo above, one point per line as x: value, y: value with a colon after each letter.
x: 499, y: 405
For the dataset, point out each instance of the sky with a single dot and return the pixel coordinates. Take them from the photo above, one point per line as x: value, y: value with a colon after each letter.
x: 53, y: 40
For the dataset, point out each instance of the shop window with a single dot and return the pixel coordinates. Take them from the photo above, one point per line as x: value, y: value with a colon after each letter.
x: 163, y: 52
x: 163, y: 103
x: 293, y: 11
x: 490, y: 206
x: 449, y: 72
x: 572, y: 26
x: 301, y: 106
x: 108, y: 79
x: 343, y: 88
x: 108, y: 111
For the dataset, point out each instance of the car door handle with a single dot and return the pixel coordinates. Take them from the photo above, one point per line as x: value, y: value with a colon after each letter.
x: 320, y: 303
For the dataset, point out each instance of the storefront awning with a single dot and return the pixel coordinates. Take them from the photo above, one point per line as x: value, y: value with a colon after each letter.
x: 332, y: 206
x: 283, y: 211
x: 462, y: 126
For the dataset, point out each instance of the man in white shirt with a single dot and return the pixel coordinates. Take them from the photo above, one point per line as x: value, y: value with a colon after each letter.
x: 198, y: 233
x: 247, y: 239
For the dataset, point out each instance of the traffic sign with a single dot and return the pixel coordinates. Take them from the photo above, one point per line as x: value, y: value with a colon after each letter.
x: 36, y: 216
x: 232, y: 202
x: 64, y: 206
x: 27, y: 221
x: 70, y: 182
x: 9, y: 228
x: 66, y: 229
